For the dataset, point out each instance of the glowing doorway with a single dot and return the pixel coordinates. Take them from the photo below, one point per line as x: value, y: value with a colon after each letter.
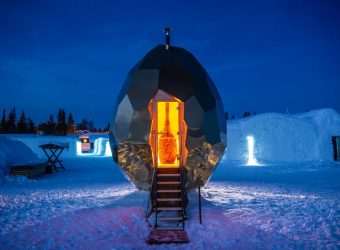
x: 168, y: 131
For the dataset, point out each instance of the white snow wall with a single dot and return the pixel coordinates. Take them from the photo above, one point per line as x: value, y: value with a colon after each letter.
x: 284, y: 138
x: 278, y: 138
x: 33, y: 142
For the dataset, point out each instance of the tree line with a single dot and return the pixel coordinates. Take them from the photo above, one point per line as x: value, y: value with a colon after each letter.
x: 245, y: 114
x: 61, y: 126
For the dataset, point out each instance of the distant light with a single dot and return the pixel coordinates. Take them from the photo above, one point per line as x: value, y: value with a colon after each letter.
x: 108, y: 151
x: 251, y: 158
x: 100, y: 148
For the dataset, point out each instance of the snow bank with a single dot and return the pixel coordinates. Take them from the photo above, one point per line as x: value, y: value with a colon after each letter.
x: 11, y: 152
x: 284, y: 138
x: 18, y: 148
x: 277, y: 138
x: 101, y: 143
x: 327, y: 122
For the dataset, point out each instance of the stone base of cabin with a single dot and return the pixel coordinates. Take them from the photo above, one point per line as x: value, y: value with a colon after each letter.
x: 201, y: 161
x: 136, y: 162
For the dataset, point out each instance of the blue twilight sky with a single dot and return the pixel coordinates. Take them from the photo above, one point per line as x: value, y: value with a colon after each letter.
x: 264, y: 56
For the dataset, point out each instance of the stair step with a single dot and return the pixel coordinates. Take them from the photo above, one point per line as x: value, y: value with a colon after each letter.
x: 167, y: 175
x: 169, y: 218
x: 168, y: 182
x: 170, y: 228
x: 169, y: 191
x: 169, y: 208
x: 169, y: 199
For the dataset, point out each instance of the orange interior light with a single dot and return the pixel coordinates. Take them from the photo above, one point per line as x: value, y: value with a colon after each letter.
x: 168, y: 132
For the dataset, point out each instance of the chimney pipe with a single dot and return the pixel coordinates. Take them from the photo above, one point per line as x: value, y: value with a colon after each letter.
x: 167, y: 31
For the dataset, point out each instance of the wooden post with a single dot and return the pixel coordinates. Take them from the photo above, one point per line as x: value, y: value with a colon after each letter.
x: 199, y: 203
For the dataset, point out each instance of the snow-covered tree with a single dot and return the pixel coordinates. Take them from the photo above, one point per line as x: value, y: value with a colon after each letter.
x: 22, y: 123
x: 84, y: 125
x: 61, y: 124
x: 3, y: 124
x: 70, y: 124
x: 51, y: 125
x: 11, y: 122
x: 107, y: 128
x: 30, y: 126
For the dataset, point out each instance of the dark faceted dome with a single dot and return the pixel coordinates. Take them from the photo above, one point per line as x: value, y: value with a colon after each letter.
x: 176, y: 72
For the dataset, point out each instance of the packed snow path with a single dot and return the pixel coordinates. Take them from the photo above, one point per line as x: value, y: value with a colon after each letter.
x: 92, y: 206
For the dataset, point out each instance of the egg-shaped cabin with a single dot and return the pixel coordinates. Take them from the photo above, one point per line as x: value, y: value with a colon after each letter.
x: 168, y: 115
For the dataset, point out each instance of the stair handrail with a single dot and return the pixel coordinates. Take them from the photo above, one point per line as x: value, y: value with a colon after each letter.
x: 182, y: 193
x: 199, y: 204
x: 147, y: 214
x: 156, y: 195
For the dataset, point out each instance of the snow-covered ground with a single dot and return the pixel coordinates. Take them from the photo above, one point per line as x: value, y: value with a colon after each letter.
x: 91, y: 205
x: 276, y: 204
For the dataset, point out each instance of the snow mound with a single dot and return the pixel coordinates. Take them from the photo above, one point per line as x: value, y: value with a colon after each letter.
x: 11, y: 152
x: 71, y: 142
x: 284, y: 138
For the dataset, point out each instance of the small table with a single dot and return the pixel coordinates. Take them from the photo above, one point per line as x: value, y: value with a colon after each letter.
x: 53, y: 151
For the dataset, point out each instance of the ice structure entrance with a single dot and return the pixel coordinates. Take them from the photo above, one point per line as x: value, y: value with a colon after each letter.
x: 168, y: 131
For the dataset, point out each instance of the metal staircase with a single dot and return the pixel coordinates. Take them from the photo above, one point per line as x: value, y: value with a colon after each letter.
x: 169, y: 200
x: 169, y: 193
